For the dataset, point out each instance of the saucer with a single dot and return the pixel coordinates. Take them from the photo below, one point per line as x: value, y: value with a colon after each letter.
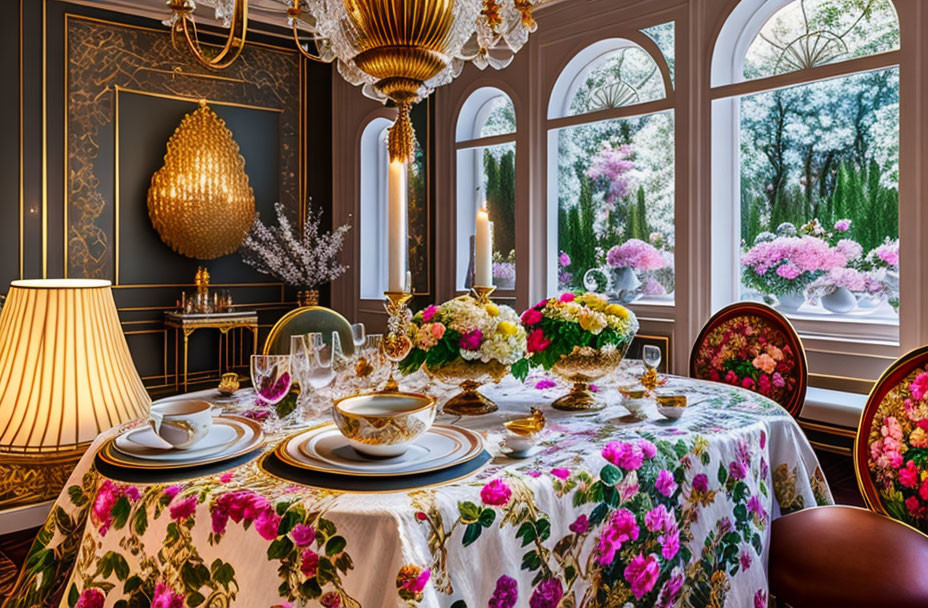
x: 324, y: 449
x: 144, y: 443
x: 249, y: 437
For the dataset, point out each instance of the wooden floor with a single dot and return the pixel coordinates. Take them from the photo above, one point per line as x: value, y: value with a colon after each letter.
x: 839, y: 471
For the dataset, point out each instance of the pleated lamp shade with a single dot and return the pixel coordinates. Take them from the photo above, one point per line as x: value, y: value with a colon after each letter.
x: 65, y: 369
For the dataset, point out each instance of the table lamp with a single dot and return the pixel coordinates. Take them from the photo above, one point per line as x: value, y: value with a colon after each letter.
x: 65, y: 376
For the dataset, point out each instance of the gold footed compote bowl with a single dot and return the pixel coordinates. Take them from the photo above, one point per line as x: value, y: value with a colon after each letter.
x: 583, y: 366
x: 469, y: 376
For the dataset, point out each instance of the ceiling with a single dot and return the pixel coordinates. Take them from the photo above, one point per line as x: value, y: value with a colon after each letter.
x: 273, y: 12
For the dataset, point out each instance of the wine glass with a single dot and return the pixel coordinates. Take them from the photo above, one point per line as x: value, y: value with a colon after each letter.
x: 358, y: 335
x: 651, y: 355
x: 271, y: 377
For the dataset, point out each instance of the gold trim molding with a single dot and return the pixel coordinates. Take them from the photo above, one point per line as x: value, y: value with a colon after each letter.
x: 101, y: 57
x: 27, y: 479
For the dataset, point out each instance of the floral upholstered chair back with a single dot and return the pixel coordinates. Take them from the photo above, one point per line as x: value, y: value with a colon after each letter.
x: 751, y: 345
x: 891, y: 452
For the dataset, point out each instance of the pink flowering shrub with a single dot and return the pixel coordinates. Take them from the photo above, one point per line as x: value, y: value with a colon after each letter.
x: 637, y: 255
x: 789, y: 264
x: 611, y: 167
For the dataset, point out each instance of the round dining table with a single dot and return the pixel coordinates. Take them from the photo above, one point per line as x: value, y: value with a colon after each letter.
x: 609, y: 509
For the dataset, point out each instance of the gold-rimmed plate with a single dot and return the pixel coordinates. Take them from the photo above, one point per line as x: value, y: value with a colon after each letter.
x: 252, y: 438
x: 324, y: 449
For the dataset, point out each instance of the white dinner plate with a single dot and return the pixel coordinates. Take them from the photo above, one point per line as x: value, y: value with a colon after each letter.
x: 325, y: 449
x: 144, y: 443
x: 249, y: 438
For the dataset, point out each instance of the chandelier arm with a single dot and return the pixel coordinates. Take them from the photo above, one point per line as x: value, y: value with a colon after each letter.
x: 294, y: 13
x: 235, y: 41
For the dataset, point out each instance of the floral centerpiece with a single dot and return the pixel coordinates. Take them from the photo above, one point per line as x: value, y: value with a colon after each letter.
x: 468, y: 341
x: 837, y: 288
x: 880, y: 268
x: 749, y: 352
x: 579, y: 337
x: 786, y: 265
x: 301, y: 259
x: 898, y: 442
x: 629, y: 264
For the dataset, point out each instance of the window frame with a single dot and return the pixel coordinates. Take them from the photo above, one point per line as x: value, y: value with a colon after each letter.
x: 835, y: 344
x: 471, y: 118
x: 565, y: 86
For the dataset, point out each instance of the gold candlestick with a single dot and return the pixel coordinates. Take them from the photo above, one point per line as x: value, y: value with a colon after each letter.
x: 396, y: 344
x: 482, y: 293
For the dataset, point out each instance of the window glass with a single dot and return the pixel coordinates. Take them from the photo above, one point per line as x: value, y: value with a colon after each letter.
x: 809, y: 33
x: 500, y: 118
x: 615, y: 186
x: 622, y: 77
x: 819, y: 195
x: 664, y: 36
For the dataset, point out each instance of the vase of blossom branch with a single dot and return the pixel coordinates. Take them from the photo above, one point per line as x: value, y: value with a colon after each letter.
x: 303, y: 258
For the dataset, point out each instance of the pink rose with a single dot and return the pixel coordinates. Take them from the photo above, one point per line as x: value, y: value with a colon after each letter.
x: 545, y: 383
x: 495, y: 493
x: 166, y: 598
x: 581, y: 525
x: 701, y: 483
x: 665, y: 483
x: 912, y: 504
x: 90, y: 598
x: 567, y: 297
x: 471, y: 340
x: 531, y: 317
x: 843, y: 225
x: 226, y: 477
x: 172, y: 491
x: 760, y: 599
x: 536, y: 341
x: 919, y: 386
x: 561, y: 473
x: 731, y: 377
x: 309, y: 563
x: 266, y: 524
x: 429, y: 313
x: 620, y: 528
x: 647, y: 448
x: 625, y: 455
x: 908, y: 476
x: 331, y: 600
x: 642, y: 574
x: 670, y: 543
x: 659, y: 519
x: 303, y: 534
x: 184, y: 509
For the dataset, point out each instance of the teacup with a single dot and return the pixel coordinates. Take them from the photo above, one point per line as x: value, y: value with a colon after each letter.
x: 383, y: 425
x: 182, y: 424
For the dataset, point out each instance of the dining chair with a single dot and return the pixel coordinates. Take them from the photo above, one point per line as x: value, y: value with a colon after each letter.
x: 751, y: 345
x: 848, y: 557
x: 306, y: 320
x: 891, y: 448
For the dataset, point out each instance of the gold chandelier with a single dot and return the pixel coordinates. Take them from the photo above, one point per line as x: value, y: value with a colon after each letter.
x: 200, y: 201
x: 397, y: 50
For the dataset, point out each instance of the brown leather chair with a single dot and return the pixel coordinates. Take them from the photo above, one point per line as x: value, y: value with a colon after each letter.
x: 847, y: 557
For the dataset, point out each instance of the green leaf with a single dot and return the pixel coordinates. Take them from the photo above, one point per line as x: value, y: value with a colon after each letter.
x: 132, y: 583
x: 78, y: 499
x: 120, y: 567
x: 723, y: 474
x: 487, y: 516
x: 543, y: 527
x: 598, y: 514
x: 120, y: 512
x: 309, y: 589
x: 335, y: 545
x: 194, y: 599
x: 73, y: 595
x: 519, y: 369
x: 140, y: 521
x: 287, y: 522
x: 471, y: 533
x: 326, y: 572
x: 531, y: 561
x: 610, y: 475
x: 741, y: 512
x: 470, y: 513
x: 286, y: 406
x: 222, y: 573
x: 740, y: 491
x: 280, y: 548
x: 326, y: 527
x: 527, y: 533
x: 459, y: 604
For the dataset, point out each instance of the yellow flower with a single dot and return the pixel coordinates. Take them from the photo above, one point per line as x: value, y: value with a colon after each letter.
x: 492, y: 309
x: 594, y: 301
x: 617, y: 310
x: 592, y: 321
x: 507, y: 328
x: 918, y: 438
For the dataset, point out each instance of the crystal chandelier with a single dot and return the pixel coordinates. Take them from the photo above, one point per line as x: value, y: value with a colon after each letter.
x: 397, y: 50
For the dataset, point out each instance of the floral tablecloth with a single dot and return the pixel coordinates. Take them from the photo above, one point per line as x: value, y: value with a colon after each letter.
x: 607, y: 513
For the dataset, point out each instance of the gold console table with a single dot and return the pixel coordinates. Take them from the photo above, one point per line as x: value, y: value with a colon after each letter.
x: 187, y: 323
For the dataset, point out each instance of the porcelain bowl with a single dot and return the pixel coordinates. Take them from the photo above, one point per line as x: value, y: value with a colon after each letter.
x: 383, y: 425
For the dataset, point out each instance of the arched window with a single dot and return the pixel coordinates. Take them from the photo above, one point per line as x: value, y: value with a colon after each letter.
x: 374, y: 163
x: 611, y: 169
x: 806, y: 160
x: 485, y: 137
